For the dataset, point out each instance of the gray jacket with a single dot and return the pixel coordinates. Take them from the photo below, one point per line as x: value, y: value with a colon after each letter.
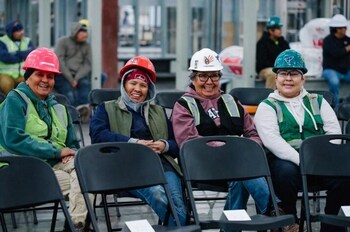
x: 75, y: 58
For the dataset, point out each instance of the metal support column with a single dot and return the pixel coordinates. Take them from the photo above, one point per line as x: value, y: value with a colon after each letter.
x: 182, y: 42
x: 44, y: 23
x: 95, y: 19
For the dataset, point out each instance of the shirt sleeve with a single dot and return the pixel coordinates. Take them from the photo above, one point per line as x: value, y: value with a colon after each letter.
x: 267, y: 126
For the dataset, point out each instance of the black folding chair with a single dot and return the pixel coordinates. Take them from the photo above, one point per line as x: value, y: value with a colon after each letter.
x: 126, y: 166
x: 98, y: 96
x: 167, y: 99
x: 28, y: 182
x: 343, y: 114
x: 321, y: 157
x: 233, y: 158
x: 62, y: 99
x: 74, y: 113
x: 250, y: 97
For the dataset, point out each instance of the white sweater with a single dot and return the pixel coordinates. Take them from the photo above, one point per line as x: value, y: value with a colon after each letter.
x: 266, y: 124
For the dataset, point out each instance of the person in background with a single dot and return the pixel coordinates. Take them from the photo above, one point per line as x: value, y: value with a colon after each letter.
x: 132, y: 118
x: 75, y: 55
x: 14, y: 48
x: 336, y: 55
x: 32, y: 123
x: 288, y: 116
x: 268, y: 47
x: 204, y: 110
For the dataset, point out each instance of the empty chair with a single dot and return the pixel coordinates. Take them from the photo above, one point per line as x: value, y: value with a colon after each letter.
x: 126, y: 166
x: 74, y: 113
x: 28, y: 182
x: 250, y: 97
x: 167, y: 99
x: 214, y: 159
x: 326, y: 95
x: 327, y: 162
x: 97, y: 96
x: 343, y: 114
x: 62, y: 99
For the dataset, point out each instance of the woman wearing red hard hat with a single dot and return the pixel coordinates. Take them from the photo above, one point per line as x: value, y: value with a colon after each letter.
x: 132, y: 118
x: 32, y: 123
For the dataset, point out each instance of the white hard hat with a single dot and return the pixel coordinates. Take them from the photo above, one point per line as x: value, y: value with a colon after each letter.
x: 338, y: 20
x: 205, y: 60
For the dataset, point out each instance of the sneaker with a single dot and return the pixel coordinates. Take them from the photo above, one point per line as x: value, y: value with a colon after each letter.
x: 79, y: 227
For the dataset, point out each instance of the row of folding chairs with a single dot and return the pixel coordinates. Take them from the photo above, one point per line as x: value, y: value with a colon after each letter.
x: 120, y: 169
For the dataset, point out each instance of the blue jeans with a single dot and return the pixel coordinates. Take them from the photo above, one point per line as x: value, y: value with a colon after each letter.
x: 155, y: 197
x: 77, y: 96
x: 333, y: 78
x: 238, y: 194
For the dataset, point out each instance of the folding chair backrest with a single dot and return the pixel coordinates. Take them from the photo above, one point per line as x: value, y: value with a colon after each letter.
x: 250, y: 97
x: 27, y: 181
x: 167, y: 99
x: 62, y: 99
x: 98, y: 96
x: 319, y: 155
x: 343, y: 113
x: 114, y: 166
x: 76, y: 120
x: 238, y: 158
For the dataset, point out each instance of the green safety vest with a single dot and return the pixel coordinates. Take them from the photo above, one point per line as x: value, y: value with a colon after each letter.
x: 289, y: 128
x: 14, y: 70
x: 38, y: 129
x: 120, y: 120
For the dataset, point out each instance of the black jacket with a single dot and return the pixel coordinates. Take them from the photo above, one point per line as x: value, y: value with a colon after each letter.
x: 334, y: 54
x: 267, y: 51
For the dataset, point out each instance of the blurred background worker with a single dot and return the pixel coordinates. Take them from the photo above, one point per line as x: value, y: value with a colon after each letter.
x: 269, y: 46
x: 14, y: 48
x: 74, y: 53
x: 336, y: 54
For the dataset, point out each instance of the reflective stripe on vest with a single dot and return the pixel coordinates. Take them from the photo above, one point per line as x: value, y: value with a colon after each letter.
x: 228, y: 100
x: 59, y: 123
x: 14, y: 70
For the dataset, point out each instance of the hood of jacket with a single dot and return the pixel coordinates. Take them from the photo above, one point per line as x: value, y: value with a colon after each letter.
x: 137, y: 106
x: 76, y: 27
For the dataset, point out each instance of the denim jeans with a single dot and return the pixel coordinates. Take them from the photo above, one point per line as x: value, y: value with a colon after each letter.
x: 155, y: 197
x: 238, y: 194
x: 333, y: 78
x: 77, y: 96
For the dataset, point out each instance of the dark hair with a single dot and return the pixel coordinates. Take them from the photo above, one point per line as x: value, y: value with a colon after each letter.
x: 28, y: 73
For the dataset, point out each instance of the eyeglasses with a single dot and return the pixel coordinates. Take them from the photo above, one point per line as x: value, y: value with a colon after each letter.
x: 204, y: 77
x: 292, y: 74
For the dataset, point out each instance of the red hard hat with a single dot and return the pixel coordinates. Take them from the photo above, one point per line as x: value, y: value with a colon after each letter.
x: 140, y: 62
x: 43, y: 59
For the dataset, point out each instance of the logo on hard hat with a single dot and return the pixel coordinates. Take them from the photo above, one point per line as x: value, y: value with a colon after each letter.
x: 209, y: 59
x: 288, y: 59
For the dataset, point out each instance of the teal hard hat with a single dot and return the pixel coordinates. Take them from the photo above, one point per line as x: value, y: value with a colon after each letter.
x: 289, y: 59
x: 274, y: 22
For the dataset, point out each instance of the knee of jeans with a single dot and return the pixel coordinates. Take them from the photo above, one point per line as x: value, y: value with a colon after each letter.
x: 158, y: 195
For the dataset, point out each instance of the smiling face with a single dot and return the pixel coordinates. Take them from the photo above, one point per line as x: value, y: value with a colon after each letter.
x: 136, y: 89
x: 289, y: 82
x: 41, y: 83
x: 207, y: 84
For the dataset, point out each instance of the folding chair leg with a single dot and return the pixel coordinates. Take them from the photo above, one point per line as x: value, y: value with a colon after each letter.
x: 14, y: 223
x: 115, y: 196
x: 35, y: 218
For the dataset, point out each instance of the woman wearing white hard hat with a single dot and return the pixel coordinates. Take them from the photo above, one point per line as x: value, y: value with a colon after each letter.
x: 336, y: 55
x: 213, y: 117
